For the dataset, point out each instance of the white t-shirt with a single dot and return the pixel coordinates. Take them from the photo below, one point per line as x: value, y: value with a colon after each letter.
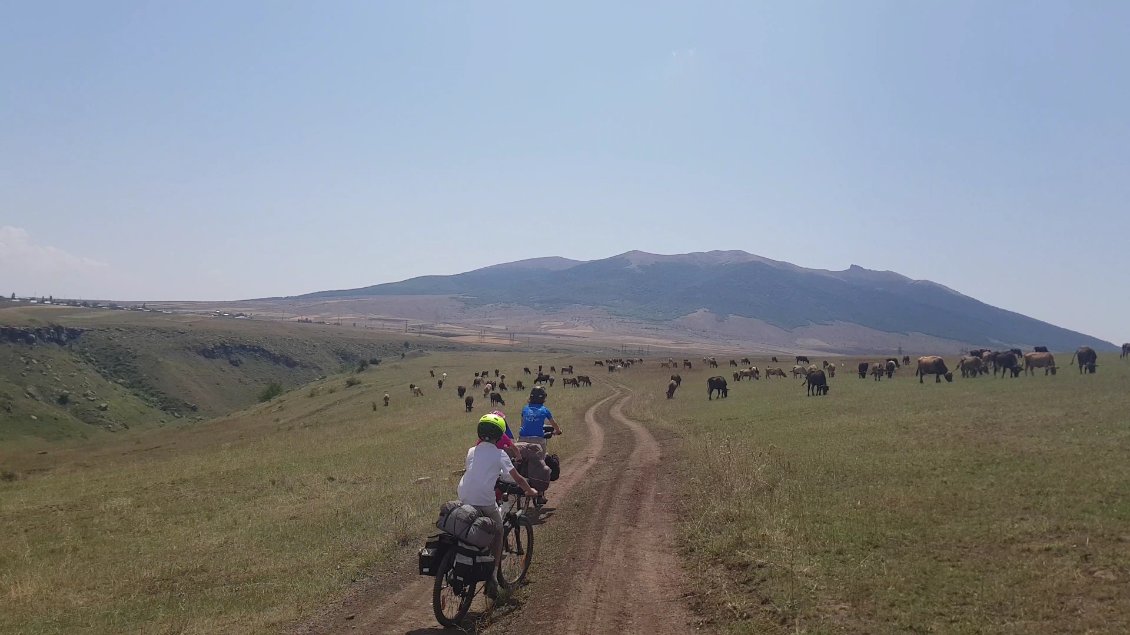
x: 485, y: 463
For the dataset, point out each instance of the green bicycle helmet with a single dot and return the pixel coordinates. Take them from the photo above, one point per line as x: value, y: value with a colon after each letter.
x: 491, y: 427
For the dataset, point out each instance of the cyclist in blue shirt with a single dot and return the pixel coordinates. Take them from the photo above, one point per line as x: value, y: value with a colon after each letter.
x: 534, y: 417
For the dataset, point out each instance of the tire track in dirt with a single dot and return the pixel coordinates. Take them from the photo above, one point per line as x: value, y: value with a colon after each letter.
x: 409, y: 609
x: 623, y: 576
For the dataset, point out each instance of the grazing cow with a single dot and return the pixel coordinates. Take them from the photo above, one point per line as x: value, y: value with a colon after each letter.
x: 665, y: 364
x: 583, y: 380
x: 906, y: 360
x: 1087, y: 358
x: 1005, y: 361
x: 895, y: 360
x: 386, y: 399
x: 502, y: 385
x: 412, y: 388
x: 551, y: 380
x: 433, y: 373
x: 862, y: 369
x: 461, y: 390
x: 1033, y: 361
x: 518, y: 385
x: 745, y: 360
x: 877, y: 370
x: 598, y: 363
x: 496, y: 399
x: 816, y: 382
x: 487, y: 388
x: 439, y: 384
x: 733, y: 363
x: 478, y: 382
x: 671, y: 387
x: 713, y: 363
x: 469, y: 402
x: 779, y: 372
x: 775, y: 360
x: 716, y: 384
x: 831, y: 370
x: 890, y: 366
x: 567, y: 370
x: 417, y: 391
x: 526, y: 370
x: 799, y: 370
x: 553, y: 369
x: 687, y: 364
x: 970, y: 366
x: 933, y: 365
x: 678, y: 379
x: 737, y: 376
x: 1041, y: 349
x: 542, y: 378
x: 1125, y: 350
x: 751, y: 373
x: 801, y: 359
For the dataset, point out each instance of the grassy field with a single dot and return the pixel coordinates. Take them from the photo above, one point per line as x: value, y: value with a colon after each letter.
x: 985, y: 505
x: 246, y: 523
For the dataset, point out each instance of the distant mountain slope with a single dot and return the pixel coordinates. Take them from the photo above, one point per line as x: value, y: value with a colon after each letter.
x: 662, y: 288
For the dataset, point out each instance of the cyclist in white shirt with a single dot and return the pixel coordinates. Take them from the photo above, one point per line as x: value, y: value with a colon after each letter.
x: 485, y: 464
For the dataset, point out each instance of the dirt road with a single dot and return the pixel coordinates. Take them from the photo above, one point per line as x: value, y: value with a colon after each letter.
x: 622, y: 574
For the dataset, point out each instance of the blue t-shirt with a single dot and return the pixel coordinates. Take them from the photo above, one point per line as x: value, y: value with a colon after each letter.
x: 533, y: 420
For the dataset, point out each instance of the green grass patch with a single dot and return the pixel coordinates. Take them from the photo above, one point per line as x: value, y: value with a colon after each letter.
x: 986, y: 505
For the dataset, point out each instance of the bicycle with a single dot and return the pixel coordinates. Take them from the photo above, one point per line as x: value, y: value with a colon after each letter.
x: 462, y: 567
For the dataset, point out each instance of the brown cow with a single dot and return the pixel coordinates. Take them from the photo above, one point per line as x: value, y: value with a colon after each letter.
x: 779, y: 372
x: 933, y: 365
x: 1039, y: 360
x: 971, y: 366
x: 671, y: 387
x: 831, y: 370
x: 469, y: 402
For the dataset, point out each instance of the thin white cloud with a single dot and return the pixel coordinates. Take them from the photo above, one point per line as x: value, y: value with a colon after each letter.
x: 20, y: 255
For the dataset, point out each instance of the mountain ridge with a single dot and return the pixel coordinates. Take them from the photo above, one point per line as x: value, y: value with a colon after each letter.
x: 663, y: 288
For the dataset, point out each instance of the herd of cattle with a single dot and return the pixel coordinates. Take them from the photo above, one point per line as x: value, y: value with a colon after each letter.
x: 977, y: 362
x: 493, y: 387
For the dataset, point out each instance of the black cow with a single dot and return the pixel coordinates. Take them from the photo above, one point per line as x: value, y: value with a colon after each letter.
x: 1087, y: 359
x: 775, y: 360
x: 1041, y: 349
x: 496, y: 399
x: 1006, y: 361
x: 671, y: 387
x: 719, y: 384
x: 469, y: 402
x: 801, y: 359
x: 862, y: 369
x: 817, y: 383
x: 678, y: 379
x: 542, y: 378
x: 462, y: 390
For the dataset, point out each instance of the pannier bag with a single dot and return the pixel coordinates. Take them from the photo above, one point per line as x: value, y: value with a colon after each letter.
x: 533, y: 465
x: 554, y: 464
x: 473, y: 565
x: 431, y: 555
x: 466, y: 523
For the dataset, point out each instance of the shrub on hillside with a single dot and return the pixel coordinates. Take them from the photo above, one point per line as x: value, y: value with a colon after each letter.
x: 362, y: 366
x: 272, y: 390
x: 352, y: 381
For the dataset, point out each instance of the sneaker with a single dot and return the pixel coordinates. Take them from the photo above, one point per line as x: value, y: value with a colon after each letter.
x: 540, y: 501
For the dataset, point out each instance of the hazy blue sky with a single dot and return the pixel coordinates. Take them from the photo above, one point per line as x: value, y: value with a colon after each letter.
x: 222, y: 150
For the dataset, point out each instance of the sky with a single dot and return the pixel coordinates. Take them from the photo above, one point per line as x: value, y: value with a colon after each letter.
x: 220, y: 150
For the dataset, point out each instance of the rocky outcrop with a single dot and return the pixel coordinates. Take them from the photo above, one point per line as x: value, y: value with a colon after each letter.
x: 232, y: 353
x: 32, y: 335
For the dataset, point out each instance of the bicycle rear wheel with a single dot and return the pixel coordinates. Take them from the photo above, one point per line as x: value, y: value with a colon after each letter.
x: 451, y: 598
x: 517, y: 551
